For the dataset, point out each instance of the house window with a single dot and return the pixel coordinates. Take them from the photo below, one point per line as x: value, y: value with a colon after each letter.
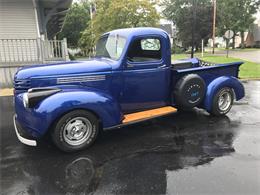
x: 145, y: 50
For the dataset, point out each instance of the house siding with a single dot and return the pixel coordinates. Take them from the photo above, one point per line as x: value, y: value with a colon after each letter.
x: 17, y: 20
x: 17, y: 25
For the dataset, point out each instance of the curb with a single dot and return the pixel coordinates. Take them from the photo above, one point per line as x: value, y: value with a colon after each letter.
x: 249, y: 79
x: 6, y: 92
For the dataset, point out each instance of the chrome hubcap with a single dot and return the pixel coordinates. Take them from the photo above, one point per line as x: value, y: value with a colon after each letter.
x: 224, y: 101
x: 77, y: 131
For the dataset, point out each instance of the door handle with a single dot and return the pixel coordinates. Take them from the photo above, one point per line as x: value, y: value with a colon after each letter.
x: 130, y: 65
x: 162, y: 66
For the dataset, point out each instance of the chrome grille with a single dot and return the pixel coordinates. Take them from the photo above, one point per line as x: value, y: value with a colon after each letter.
x: 22, y: 84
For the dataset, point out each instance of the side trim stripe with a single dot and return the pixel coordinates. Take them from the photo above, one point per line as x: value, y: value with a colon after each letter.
x: 80, y: 79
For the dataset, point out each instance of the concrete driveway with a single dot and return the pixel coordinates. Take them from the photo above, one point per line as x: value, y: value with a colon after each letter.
x: 185, y: 153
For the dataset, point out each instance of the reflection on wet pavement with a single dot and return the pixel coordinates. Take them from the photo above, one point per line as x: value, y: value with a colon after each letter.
x: 185, y: 153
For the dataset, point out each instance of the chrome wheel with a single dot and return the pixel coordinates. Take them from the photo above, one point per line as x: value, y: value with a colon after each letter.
x: 224, y: 101
x: 77, y: 131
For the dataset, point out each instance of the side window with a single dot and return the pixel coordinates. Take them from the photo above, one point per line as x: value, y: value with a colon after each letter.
x: 145, y: 50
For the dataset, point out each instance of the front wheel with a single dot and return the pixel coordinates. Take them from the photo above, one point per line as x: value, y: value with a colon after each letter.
x: 75, y: 130
x: 222, y: 102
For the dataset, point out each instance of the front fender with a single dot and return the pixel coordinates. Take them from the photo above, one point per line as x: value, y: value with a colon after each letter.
x: 102, y: 104
x: 218, y: 83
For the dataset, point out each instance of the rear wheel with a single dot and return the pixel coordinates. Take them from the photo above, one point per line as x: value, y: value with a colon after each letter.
x: 222, y: 102
x: 75, y: 130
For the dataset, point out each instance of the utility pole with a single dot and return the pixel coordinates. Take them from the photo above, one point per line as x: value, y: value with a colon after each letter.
x: 202, y: 48
x: 194, y: 10
x: 92, y: 12
x: 214, y: 24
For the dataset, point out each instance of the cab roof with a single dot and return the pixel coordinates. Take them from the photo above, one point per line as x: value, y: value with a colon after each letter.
x: 126, y: 32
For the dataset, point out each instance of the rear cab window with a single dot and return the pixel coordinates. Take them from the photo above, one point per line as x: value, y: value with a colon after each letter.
x: 145, y: 50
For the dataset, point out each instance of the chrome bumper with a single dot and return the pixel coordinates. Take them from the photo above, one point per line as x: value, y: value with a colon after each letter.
x: 26, y: 141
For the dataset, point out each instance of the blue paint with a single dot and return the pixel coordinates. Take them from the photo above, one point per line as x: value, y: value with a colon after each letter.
x: 127, y: 87
x: 219, y: 83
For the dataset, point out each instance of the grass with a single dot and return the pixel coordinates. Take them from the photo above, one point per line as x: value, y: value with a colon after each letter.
x: 247, y: 70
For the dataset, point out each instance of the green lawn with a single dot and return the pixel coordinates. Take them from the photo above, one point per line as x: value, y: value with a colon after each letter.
x: 247, y: 70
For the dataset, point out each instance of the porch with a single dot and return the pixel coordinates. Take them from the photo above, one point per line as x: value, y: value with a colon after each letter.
x: 15, y: 53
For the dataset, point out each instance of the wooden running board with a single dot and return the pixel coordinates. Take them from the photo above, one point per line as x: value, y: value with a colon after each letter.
x: 147, y: 114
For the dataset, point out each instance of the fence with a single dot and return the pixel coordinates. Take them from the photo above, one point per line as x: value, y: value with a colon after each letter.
x: 21, y: 52
x: 29, y: 51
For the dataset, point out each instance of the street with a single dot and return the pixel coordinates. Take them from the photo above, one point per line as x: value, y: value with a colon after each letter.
x: 249, y: 55
x: 252, y: 56
x: 189, y: 152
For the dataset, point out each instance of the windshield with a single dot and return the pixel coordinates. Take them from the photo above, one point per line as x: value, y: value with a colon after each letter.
x: 110, y: 46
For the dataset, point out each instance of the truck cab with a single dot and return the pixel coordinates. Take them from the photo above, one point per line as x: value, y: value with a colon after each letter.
x: 130, y: 79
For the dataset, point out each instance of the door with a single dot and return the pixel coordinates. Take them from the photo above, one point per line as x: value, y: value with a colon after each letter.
x: 145, y: 76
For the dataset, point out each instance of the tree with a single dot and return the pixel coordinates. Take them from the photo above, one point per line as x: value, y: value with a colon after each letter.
x: 87, y: 41
x: 236, y: 15
x: 188, y: 14
x: 76, y: 21
x: 114, y: 14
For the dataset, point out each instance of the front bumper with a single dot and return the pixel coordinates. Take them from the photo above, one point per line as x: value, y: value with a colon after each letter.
x: 21, y: 135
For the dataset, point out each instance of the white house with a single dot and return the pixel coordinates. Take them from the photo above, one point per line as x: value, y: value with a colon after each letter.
x: 27, y: 25
x: 32, y: 18
x: 27, y: 32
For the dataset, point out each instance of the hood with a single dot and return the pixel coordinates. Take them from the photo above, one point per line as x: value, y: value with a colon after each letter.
x: 65, y: 68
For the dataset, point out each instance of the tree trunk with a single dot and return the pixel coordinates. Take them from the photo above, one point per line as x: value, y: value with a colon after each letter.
x: 227, y: 43
x: 243, y: 40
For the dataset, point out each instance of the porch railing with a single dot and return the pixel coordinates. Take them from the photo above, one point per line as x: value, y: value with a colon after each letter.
x: 15, y: 53
x: 20, y: 52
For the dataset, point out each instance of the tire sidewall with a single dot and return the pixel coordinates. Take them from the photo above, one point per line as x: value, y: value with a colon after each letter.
x: 215, y: 107
x: 184, y: 88
x: 58, y: 137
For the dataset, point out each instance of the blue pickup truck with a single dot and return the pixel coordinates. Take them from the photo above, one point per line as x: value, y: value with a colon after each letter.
x: 130, y: 79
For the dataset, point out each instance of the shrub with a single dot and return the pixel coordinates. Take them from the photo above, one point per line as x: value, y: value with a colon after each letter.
x: 72, y: 57
x: 177, y: 49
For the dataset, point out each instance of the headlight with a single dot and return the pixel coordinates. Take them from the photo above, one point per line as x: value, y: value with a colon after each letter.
x: 25, y: 100
x: 35, y: 95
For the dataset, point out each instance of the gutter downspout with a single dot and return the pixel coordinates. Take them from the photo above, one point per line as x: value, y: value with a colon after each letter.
x: 39, y: 40
x: 36, y: 17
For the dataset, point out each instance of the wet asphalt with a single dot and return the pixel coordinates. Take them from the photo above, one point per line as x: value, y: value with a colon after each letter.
x: 185, y: 153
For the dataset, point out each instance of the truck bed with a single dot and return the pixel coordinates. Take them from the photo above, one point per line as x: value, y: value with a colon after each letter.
x: 207, y: 70
x: 198, y: 63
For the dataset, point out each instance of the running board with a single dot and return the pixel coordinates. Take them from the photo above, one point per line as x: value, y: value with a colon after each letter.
x: 148, y: 114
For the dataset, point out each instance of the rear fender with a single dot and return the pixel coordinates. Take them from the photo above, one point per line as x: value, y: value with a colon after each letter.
x: 221, y: 82
x: 100, y: 103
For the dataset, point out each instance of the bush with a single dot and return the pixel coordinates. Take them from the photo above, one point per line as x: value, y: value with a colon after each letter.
x: 257, y: 44
x: 177, y: 49
x: 72, y: 57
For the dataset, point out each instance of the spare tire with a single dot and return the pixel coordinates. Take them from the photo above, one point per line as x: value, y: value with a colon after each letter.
x: 189, y: 91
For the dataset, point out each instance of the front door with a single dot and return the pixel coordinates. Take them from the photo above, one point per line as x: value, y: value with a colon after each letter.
x: 145, y: 76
